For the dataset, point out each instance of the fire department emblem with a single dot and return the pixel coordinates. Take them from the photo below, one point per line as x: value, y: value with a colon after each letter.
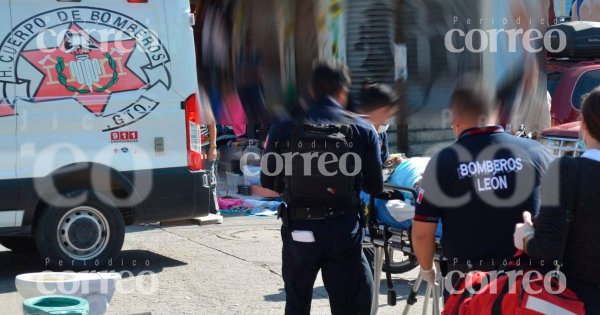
x: 95, y: 57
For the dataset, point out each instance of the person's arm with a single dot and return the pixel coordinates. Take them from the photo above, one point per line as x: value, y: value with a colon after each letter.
x: 423, y: 238
x: 208, y: 118
x: 427, y: 217
x: 268, y: 181
x: 212, y: 137
x: 550, y: 223
x: 385, y: 150
x: 372, y: 165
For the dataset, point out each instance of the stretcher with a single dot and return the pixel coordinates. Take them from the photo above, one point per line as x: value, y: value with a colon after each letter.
x: 385, y: 239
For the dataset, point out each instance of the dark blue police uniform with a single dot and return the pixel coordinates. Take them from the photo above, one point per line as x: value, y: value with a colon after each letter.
x: 385, y: 147
x: 336, y: 249
x: 479, y: 188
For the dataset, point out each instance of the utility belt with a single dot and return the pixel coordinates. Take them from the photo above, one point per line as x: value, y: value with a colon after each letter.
x: 288, y: 214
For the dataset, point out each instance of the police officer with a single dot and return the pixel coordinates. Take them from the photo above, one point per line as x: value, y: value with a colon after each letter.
x: 319, y: 234
x: 478, y: 187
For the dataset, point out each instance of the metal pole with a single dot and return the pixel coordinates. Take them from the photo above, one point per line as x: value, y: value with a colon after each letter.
x: 426, y: 299
x: 437, y: 291
x: 377, y: 278
x: 412, y: 297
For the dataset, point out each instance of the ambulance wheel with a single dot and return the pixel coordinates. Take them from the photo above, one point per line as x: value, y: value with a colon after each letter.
x: 86, y: 235
x: 19, y: 244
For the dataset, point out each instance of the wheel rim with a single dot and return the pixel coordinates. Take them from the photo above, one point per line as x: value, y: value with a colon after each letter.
x: 83, y: 233
x: 397, y: 263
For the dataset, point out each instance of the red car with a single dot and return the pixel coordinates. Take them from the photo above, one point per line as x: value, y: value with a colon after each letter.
x: 568, y: 82
x: 572, y: 74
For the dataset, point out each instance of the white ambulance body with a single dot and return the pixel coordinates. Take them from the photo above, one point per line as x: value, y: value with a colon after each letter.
x: 99, y: 124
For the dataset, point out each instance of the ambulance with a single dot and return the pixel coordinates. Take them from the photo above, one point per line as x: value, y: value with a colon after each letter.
x: 99, y: 125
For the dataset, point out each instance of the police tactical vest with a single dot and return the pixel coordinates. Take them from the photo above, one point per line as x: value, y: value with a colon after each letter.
x: 320, y: 168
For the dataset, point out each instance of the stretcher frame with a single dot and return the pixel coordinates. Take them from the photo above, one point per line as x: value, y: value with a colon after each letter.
x: 383, y: 238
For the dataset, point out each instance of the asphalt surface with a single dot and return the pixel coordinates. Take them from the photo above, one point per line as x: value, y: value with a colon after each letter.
x: 233, y: 268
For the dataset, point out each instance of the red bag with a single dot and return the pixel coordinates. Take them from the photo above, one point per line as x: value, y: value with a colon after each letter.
x: 513, y: 298
x: 463, y: 297
x: 509, y: 296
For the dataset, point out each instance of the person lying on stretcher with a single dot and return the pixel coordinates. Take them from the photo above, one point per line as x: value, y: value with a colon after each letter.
x: 398, y: 209
x: 379, y: 102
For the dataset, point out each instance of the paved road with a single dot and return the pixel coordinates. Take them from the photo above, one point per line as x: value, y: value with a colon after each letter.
x: 233, y: 268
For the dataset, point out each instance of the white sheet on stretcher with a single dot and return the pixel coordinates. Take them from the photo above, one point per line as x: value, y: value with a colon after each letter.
x: 400, y: 210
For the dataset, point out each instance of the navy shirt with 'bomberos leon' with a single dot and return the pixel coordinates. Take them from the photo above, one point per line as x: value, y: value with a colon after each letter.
x: 479, y: 187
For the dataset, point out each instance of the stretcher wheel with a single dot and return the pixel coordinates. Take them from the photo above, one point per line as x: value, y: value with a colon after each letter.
x: 395, y: 267
x: 392, y: 298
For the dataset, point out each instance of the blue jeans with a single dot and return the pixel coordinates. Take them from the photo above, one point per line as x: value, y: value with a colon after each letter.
x: 211, y: 169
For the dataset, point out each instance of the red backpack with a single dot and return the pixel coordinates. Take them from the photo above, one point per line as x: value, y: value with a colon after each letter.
x: 461, y: 297
x: 505, y: 297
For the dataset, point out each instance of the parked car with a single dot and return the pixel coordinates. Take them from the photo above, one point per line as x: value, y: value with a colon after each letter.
x: 568, y: 81
x: 99, y: 125
x: 572, y: 73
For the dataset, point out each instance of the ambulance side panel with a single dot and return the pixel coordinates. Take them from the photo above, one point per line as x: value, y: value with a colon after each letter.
x: 101, y: 83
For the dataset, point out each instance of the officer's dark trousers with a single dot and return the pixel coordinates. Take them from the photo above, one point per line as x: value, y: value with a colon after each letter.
x: 337, y: 252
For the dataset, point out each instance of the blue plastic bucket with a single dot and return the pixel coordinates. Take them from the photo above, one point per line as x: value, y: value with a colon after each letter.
x: 56, y: 305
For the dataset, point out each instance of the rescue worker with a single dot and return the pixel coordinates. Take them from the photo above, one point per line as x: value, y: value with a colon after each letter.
x: 379, y: 103
x: 478, y: 187
x: 321, y: 225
